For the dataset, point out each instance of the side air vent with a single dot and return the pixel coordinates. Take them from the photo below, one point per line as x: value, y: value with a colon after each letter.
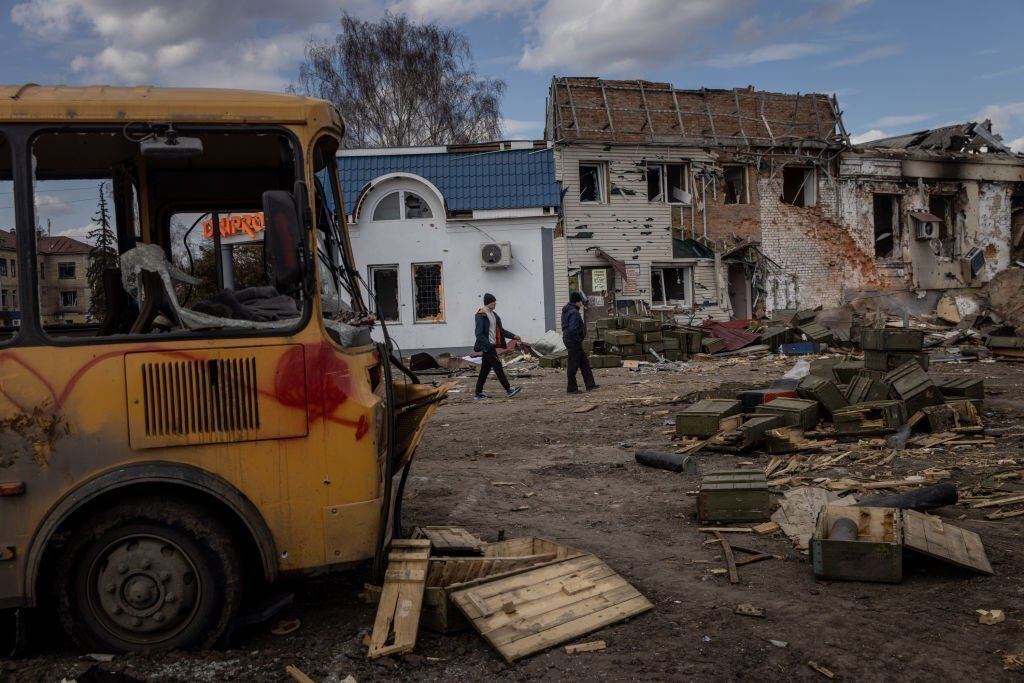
x: 189, y: 398
x: 200, y: 396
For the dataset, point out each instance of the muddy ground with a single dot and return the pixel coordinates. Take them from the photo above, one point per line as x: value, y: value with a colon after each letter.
x: 588, y: 492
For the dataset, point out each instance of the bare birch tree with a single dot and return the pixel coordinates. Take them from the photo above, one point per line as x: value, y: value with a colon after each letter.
x: 399, y: 83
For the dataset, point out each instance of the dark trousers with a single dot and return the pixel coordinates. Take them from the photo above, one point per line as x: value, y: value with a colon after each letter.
x: 578, y: 361
x: 490, y: 361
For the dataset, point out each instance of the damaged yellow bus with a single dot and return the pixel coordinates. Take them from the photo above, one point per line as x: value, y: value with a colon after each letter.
x: 216, y: 414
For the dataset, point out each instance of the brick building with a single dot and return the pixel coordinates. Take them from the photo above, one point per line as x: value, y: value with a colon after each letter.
x: 690, y: 200
x: 64, y: 294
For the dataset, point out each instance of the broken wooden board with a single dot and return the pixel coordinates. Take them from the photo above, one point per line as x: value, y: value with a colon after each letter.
x: 799, y: 509
x: 401, y: 598
x: 453, y: 540
x: 929, y: 535
x: 540, y: 608
x: 592, y: 646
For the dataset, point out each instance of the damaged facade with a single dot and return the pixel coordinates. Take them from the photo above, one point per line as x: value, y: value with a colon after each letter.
x: 735, y: 203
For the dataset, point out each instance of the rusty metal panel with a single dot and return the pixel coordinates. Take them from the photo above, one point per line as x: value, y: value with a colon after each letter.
x: 213, y: 396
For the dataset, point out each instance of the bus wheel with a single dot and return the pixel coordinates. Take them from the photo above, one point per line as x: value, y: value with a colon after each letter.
x: 149, y: 576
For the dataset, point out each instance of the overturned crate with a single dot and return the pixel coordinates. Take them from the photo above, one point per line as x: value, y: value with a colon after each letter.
x: 914, y: 387
x: 746, y: 436
x: 870, y: 419
x: 822, y: 390
x: 864, y: 389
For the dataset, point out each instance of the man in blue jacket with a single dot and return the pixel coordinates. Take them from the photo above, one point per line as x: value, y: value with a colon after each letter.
x: 489, y: 336
x: 573, y: 333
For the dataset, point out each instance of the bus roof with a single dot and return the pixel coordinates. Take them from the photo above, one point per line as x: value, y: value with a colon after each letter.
x: 104, y: 103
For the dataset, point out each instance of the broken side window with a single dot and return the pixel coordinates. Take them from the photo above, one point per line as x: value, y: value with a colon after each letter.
x: 592, y: 182
x: 677, y: 189
x: 799, y: 186
x: 941, y: 205
x: 736, y: 185
x: 655, y: 184
x: 886, y: 219
x: 672, y: 286
x: 384, y: 292
x: 428, y: 292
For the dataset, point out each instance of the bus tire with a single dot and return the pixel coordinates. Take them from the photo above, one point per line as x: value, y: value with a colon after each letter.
x: 149, y: 575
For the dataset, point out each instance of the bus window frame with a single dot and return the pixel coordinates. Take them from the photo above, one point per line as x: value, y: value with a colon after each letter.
x: 31, y: 333
x: 345, y: 249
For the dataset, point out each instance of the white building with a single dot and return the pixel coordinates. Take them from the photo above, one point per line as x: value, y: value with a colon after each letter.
x: 435, y: 228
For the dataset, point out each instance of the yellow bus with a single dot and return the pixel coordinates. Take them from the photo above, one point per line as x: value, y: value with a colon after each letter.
x: 215, y: 414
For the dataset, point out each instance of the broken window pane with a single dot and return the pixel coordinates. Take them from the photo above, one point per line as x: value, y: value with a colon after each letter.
x: 942, y: 206
x: 886, y: 223
x: 672, y: 286
x: 384, y: 288
x: 735, y: 184
x: 676, y: 185
x: 416, y: 206
x: 591, y: 182
x: 388, y: 209
x: 427, y: 291
x: 655, y: 193
x: 798, y: 186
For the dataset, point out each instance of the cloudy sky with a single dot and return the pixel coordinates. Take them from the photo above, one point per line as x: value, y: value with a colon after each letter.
x: 896, y: 66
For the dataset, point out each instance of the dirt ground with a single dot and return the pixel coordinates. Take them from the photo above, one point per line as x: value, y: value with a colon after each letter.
x: 588, y: 492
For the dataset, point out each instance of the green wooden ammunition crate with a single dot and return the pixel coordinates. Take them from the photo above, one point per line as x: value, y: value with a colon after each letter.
x: 870, y: 419
x: 1004, y: 342
x: 891, y: 339
x: 884, y: 361
x: 588, y: 345
x: 605, y: 361
x: 607, y: 324
x: 671, y: 344
x: 865, y: 389
x: 551, y: 361
x: 825, y: 367
x: 734, y: 496
x: 964, y: 387
x: 748, y: 435
x: 625, y: 349
x: 914, y: 387
x: 816, y: 332
x: 804, y: 316
x: 873, y: 374
x: 618, y: 337
x: 712, y: 345
x: 674, y: 354
x: 649, y: 337
x: 774, y: 337
x: 702, y: 419
x: 822, y: 390
x: 643, y: 325
x: 639, y: 357
x: 592, y: 330
x: 795, y: 412
x: 846, y: 370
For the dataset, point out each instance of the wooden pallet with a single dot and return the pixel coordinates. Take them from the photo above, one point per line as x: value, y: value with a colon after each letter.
x: 401, y: 598
x: 450, y: 540
x: 537, y: 609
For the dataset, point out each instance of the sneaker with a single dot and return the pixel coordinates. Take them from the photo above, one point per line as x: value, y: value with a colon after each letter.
x: 513, y: 391
x: 573, y: 391
x: 481, y: 397
x: 596, y: 386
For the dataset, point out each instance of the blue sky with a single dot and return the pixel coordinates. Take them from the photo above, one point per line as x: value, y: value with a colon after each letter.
x: 896, y: 66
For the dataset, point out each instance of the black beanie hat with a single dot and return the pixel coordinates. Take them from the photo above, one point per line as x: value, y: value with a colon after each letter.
x: 575, y: 297
x: 489, y: 299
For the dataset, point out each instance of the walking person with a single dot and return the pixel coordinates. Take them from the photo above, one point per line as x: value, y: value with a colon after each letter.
x: 489, y: 336
x: 573, y: 333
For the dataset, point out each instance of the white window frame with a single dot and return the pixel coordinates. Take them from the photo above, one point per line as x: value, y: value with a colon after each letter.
x: 61, y: 294
x: 370, y: 270
x: 602, y: 182
x: 401, y: 207
x: 657, y: 272
x: 664, y: 196
x: 427, y: 321
x: 810, y: 186
x: 746, y: 183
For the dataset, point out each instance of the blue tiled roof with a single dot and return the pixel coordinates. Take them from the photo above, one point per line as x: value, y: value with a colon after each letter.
x: 514, y: 179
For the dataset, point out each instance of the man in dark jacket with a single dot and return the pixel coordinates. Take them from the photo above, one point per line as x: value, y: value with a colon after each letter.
x: 489, y: 336
x: 573, y: 333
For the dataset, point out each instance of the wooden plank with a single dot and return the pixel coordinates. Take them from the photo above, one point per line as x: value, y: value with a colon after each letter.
x: 401, y: 599
x: 1005, y: 500
x: 446, y: 540
x: 297, y: 674
x: 930, y: 535
x: 730, y: 559
x: 592, y: 646
x: 543, y: 607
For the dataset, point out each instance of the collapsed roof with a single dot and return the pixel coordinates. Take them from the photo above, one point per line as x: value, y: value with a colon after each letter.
x: 599, y: 110
x: 969, y: 137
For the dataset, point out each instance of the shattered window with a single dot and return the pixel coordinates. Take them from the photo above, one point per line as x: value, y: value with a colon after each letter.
x: 592, y: 182
x: 384, y: 291
x: 886, y: 216
x: 69, y: 299
x: 942, y: 206
x: 655, y: 189
x: 676, y: 187
x: 798, y: 186
x: 672, y: 286
x: 428, y: 292
x: 735, y: 185
x: 416, y: 206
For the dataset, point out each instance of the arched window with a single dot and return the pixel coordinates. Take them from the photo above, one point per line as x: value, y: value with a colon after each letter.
x: 402, y: 205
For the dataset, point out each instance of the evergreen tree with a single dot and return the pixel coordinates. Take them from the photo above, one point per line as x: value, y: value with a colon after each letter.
x: 102, y: 254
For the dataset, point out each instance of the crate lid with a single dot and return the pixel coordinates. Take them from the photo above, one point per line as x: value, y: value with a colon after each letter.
x: 932, y: 536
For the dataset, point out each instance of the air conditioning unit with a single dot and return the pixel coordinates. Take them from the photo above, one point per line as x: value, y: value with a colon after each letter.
x: 495, y: 255
x: 926, y: 230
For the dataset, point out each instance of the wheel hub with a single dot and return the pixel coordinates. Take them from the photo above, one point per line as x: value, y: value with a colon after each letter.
x: 144, y: 588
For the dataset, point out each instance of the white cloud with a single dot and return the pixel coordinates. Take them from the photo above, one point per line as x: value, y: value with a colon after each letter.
x: 1005, y: 72
x: 768, y: 53
x: 51, y: 206
x: 904, y: 120
x: 873, y: 134
x: 457, y: 11
x: 1003, y: 116
x: 610, y: 36
x: 80, y: 233
x: 519, y: 129
x: 871, y: 54
x: 226, y: 43
x: 1017, y: 145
